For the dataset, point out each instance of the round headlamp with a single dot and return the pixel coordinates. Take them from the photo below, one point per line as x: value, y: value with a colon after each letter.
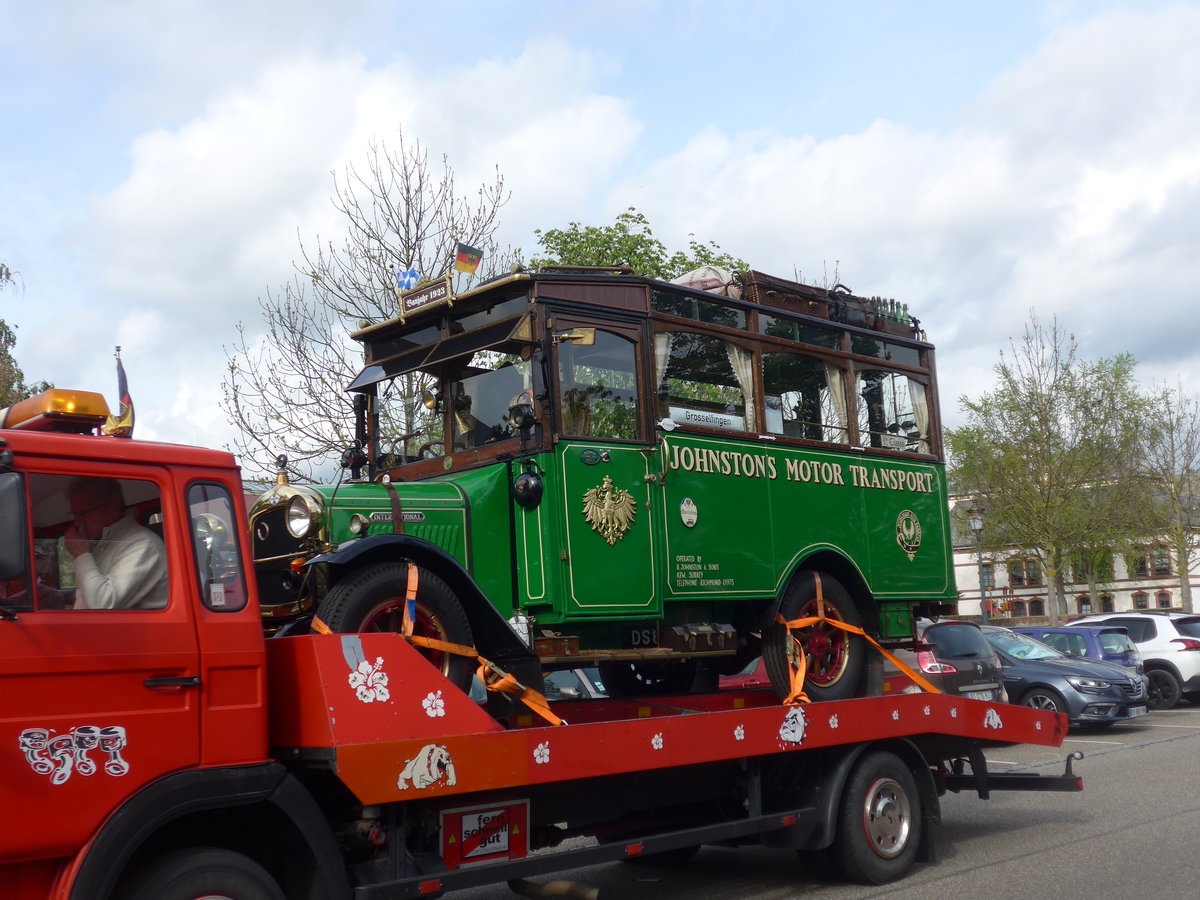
x: 301, y: 517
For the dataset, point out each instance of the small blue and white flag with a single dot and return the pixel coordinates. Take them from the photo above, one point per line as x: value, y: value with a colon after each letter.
x: 407, y: 278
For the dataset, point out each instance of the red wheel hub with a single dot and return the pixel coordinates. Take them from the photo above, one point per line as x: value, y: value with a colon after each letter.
x: 825, y: 645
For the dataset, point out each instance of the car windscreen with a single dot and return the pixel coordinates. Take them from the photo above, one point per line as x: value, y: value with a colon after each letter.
x: 1116, y: 642
x: 951, y: 641
x: 1020, y: 646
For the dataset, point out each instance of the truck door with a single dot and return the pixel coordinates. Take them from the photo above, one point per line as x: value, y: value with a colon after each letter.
x: 604, y: 458
x: 94, y: 702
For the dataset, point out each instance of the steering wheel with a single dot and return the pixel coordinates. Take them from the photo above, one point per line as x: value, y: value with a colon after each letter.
x: 426, y: 451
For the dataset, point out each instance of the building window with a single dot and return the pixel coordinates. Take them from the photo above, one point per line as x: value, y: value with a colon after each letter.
x: 1141, y: 600
x: 1018, y: 607
x: 988, y: 575
x: 1024, y: 573
x: 1164, y: 600
x: 1160, y: 558
x: 1085, y: 605
x: 1037, y: 607
x: 1106, y: 603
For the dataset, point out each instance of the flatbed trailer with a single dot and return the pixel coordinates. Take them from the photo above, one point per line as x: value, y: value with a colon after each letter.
x: 624, y: 778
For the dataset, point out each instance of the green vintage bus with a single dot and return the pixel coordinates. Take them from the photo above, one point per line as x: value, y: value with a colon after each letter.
x: 605, y: 469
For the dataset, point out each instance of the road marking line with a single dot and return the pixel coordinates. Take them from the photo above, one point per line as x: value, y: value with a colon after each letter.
x: 1150, y: 725
x: 1084, y: 741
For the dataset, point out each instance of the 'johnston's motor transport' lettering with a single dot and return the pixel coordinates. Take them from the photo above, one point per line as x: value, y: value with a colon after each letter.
x: 733, y: 463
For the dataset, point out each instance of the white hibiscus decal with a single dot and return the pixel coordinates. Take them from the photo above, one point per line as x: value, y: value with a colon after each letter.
x: 370, y: 681
x: 541, y: 753
x: 434, y: 705
x: 657, y: 741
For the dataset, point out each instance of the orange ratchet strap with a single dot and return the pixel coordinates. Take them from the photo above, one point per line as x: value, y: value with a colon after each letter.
x: 798, y: 661
x: 493, y: 677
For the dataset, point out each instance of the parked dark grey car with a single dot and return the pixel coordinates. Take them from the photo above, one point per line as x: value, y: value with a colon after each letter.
x: 1089, y: 691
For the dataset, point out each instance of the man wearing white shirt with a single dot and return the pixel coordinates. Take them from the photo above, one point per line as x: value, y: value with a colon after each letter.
x: 118, y: 563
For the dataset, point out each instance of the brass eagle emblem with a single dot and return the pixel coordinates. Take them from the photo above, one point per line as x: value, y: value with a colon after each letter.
x: 609, y: 510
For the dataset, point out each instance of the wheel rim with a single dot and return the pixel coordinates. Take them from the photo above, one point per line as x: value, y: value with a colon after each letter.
x: 1041, y: 701
x: 826, y: 647
x: 389, y: 616
x: 887, y: 818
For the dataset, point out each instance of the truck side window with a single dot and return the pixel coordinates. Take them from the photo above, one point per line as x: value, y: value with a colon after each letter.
x: 97, y: 542
x: 222, y: 580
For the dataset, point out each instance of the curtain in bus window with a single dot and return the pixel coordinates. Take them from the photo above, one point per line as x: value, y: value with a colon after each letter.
x: 804, y: 398
x: 699, y: 384
x: 887, y: 414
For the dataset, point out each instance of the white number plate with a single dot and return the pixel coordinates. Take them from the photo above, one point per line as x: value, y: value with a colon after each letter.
x: 978, y: 695
x: 1135, y: 711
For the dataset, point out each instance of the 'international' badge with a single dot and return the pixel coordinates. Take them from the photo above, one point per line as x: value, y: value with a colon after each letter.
x: 908, y: 533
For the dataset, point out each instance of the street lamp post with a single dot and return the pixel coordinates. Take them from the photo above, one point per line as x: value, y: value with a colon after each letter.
x: 975, y: 518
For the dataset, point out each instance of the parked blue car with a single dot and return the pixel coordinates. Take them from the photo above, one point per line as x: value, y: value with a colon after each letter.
x: 1108, y: 643
x: 1089, y: 692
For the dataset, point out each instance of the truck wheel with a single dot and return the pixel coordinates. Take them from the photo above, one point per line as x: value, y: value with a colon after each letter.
x: 835, y: 657
x: 643, y: 679
x: 373, y: 600
x: 205, y: 872
x: 879, y: 822
x: 1165, y: 689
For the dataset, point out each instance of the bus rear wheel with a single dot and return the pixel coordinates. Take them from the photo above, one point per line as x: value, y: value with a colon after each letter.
x: 373, y: 600
x: 835, y: 658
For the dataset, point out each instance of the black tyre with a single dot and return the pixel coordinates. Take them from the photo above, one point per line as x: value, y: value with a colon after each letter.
x: 879, y: 821
x: 835, y: 658
x: 1043, y: 698
x: 373, y: 600
x: 206, y: 872
x: 1164, y: 689
x: 644, y: 679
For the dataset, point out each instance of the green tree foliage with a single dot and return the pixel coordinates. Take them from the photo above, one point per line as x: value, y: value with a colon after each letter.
x: 629, y: 241
x: 12, y: 379
x: 1051, y: 453
x: 1171, y: 459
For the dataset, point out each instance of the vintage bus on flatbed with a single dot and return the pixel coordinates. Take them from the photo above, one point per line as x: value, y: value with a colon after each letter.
x: 639, y: 475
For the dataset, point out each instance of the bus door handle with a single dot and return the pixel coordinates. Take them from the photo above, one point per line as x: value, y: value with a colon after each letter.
x: 181, y: 681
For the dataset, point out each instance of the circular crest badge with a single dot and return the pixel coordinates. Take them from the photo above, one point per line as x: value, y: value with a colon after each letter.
x: 908, y: 533
x: 688, y: 512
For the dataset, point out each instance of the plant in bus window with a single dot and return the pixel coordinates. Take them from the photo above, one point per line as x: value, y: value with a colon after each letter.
x: 598, y: 384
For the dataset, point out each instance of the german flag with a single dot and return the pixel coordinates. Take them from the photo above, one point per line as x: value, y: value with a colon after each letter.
x: 467, y: 259
x: 121, y: 425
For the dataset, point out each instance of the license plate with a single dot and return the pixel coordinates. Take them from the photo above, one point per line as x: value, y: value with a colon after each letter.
x: 978, y: 695
x: 1135, y: 711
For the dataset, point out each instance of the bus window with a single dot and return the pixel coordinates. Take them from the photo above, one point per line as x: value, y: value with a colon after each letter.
x: 598, y: 388
x: 703, y: 380
x: 804, y: 398
x: 481, y: 398
x: 893, y: 411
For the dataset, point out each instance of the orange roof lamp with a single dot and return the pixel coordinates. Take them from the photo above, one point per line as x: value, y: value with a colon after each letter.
x: 58, y: 409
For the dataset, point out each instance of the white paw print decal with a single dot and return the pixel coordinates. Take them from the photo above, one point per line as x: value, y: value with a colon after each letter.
x: 541, y: 753
x: 434, y: 705
x: 833, y: 721
x: 657, y: 741
x: 370, y: 681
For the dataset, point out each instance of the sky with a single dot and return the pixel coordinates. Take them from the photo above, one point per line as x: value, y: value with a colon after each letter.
x: 982, y: 162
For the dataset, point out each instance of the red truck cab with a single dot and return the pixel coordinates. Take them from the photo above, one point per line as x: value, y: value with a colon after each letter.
x: 96, y: 704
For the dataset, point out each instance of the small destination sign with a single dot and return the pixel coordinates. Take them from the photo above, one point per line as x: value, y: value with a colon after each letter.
x: 426, y: 297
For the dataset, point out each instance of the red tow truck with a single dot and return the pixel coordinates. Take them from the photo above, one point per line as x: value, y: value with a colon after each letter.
x: 175, y: 753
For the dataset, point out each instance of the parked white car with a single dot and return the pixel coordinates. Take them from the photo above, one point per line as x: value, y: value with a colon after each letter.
x: 1170, y: 646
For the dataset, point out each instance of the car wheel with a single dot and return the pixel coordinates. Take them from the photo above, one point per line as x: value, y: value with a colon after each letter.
x: 879, y: 821
x: 1044, y: 698
x: 1164, y: 689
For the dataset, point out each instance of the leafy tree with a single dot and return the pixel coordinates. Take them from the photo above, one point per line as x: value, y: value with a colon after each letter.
x: 629, y: 241
x: 1171, y: 459
x: 12, y: 379
x: 285, y: 391
x: 1051, y: 453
